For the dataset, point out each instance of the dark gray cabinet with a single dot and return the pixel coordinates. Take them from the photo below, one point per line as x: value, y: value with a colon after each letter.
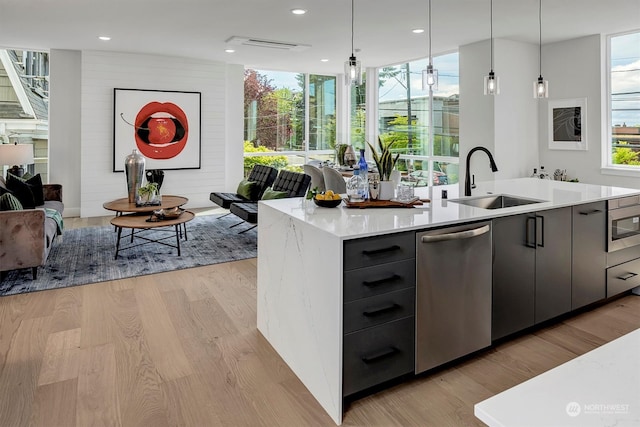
x: 514, y: 266
x: 589, y: 254
x: 378, y: 313
x: 531, y: 269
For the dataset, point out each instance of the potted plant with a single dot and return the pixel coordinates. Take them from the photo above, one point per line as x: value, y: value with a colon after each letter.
x: 385, y: 162
x: 148, y: 195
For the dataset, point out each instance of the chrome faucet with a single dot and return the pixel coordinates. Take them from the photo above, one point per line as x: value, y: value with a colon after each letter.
x: 467, y: 182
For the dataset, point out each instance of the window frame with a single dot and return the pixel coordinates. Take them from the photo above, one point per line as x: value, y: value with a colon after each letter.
x: 607, y: 166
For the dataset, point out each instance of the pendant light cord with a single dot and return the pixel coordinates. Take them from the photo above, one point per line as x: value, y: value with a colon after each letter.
x: 352, y: 13
x: 429, y: 32
x: 540, y: 35
x: 491, y: 19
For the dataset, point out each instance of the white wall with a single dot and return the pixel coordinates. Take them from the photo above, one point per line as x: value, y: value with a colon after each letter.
x: 506, y: 124
x: 64, y: 126
x: 221, y: 136
x: 574, y: 70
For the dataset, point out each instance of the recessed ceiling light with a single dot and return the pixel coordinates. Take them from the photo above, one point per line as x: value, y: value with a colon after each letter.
x: 104, y: 38
x: 229, y: 50
x: 324, y: 60
x: 417, y: 31
x: 298, y: 11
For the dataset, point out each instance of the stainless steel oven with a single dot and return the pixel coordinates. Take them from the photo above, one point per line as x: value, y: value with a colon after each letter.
x: 623, y: 223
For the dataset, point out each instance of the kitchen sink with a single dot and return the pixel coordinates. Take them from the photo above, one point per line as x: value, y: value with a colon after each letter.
x: 496, y: 201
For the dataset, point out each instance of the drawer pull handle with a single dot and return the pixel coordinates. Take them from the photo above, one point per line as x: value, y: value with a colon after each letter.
x: 379, y: 355
x: 381, y: 310
x: 627, y: 276
x: 381, y: 281
x: 590, y: 212
x: 381, y: 250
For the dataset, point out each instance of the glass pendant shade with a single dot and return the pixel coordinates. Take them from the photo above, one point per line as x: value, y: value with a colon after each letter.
x: 430, y: 78
x: 541, y: 88
x: 352, y: 71
x: 491, y: 84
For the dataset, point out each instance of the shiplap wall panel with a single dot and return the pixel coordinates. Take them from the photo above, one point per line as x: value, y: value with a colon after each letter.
x: 104, y: 71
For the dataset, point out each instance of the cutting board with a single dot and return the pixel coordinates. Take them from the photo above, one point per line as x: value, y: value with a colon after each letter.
x: 385, y: 203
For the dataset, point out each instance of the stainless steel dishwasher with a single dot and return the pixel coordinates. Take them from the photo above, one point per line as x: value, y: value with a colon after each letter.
x: 453, y: 293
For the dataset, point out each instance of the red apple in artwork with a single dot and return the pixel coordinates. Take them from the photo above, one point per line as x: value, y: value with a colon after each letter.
x: 162, y: 130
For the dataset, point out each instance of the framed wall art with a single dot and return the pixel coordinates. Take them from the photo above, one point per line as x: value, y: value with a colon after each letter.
x: 163, y: 125
x: 567, y: 124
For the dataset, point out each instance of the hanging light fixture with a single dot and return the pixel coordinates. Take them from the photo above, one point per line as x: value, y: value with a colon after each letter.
x: 491, y: 82
x: 430, y: 74
x: 540, y: 86
x: 352, y: 68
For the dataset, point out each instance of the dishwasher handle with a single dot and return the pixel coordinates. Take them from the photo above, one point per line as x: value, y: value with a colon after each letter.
x: 467, y: 234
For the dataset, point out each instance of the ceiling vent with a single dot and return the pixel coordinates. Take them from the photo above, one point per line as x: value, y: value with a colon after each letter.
x: 271, y: 44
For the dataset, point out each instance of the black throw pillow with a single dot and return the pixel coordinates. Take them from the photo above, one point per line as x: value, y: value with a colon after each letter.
x: 35, y: 184
x: 21, y: 190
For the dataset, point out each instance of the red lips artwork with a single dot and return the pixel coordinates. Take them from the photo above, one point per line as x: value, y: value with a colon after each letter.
x: 162, y: 130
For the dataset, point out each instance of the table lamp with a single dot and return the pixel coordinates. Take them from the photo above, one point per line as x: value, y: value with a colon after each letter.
x: 16, y: 155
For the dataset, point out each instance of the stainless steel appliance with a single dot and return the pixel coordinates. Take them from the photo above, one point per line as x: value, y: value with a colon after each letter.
x: 453, y: 293
x: 623, y: 223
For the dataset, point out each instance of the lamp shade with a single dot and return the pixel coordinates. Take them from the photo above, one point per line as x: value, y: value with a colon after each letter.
x: 16, y: 154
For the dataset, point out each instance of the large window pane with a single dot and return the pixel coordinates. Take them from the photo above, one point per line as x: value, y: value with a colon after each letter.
x: 423, y: 124
x: 625, y: 99
x: 357, y: 114
x: 322, y: 112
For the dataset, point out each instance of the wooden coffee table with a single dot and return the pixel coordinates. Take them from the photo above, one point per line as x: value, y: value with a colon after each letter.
x: 140, y: 222
x: 122, y: 205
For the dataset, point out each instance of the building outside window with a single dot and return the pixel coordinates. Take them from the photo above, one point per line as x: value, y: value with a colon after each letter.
x: 423, y: 124
x: 290, y: 118
x: 624, y: 101
x: 24, y: 104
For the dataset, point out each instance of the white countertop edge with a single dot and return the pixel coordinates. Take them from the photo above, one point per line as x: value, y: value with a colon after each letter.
x: 351, y: 223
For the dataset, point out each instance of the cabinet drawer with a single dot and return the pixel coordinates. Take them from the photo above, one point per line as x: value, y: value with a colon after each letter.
x: 380, y: 249
x: 375, y: 355
x: 367, y: 312
x: 623, y: 277
x: 366, y: 282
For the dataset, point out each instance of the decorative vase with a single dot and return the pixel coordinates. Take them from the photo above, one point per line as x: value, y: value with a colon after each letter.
x: 349, y: 156
x: 387, y: 190
x: 134, y: 168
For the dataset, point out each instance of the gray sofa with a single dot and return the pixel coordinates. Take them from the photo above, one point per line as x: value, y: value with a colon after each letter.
x: 26, y: 236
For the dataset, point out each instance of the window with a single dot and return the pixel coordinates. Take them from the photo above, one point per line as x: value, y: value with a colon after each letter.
x: 24, y: 108
x: 424, y: 125
x: 624, y: 101
x: 290, y: 118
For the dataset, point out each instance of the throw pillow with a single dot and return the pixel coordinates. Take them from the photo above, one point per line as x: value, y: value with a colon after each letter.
x: 248, y: 189
x: 21, y: 190
x: 8, y: 202
x: 270, y: 194
x: 35, y: 184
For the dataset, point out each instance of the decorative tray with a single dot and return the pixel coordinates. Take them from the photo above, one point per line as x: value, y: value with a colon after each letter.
x: 386, y: 203
x: 165, y: 214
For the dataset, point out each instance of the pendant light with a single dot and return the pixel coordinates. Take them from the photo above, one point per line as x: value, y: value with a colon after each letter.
x: 430, y: 75
x: 491, y: 82
x: 540, y: 86
x: 352, y: 68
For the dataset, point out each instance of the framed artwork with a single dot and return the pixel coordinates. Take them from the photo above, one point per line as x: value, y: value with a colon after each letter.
x: 163, y: 125
x: 567, y: 125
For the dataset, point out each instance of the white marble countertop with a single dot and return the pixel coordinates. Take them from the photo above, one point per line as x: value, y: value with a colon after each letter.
x: 347, y: 223
x: 600, y: 388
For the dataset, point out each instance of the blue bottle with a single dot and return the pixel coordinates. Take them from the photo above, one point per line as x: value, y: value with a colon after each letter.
x: 364, y: 169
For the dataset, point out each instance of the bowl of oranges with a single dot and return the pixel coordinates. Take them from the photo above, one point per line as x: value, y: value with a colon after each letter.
x: 328, y: 199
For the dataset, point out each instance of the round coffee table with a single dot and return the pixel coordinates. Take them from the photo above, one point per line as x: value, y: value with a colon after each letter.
x: 138, y: 223
x: 123, y: 205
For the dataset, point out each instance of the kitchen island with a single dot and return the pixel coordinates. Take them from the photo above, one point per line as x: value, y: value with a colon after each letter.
x: 301, y: 252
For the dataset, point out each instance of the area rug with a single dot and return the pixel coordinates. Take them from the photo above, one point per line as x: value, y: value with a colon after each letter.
x: 86, y: 255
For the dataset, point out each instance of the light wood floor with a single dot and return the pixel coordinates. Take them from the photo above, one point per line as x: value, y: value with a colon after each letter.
x: 182, y: 349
